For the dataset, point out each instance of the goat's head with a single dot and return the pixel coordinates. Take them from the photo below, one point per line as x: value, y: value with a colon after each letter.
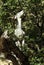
x: 19, y: 14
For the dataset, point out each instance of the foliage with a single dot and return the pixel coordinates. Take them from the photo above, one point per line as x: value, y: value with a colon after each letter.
x: 32, y: 24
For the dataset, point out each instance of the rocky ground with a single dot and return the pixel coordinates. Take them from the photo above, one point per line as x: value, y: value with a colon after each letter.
x: 4, y: 61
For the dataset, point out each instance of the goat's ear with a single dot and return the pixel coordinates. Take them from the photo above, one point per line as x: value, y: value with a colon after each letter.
x: 15, y: 17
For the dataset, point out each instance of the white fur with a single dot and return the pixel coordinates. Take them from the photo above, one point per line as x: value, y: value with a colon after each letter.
x: 18, y: 31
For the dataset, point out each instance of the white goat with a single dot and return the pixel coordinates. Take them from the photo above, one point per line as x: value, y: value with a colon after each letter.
x: 18, y: 31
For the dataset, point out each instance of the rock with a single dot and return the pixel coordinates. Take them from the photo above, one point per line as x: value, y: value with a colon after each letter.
x: 4, y: 61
